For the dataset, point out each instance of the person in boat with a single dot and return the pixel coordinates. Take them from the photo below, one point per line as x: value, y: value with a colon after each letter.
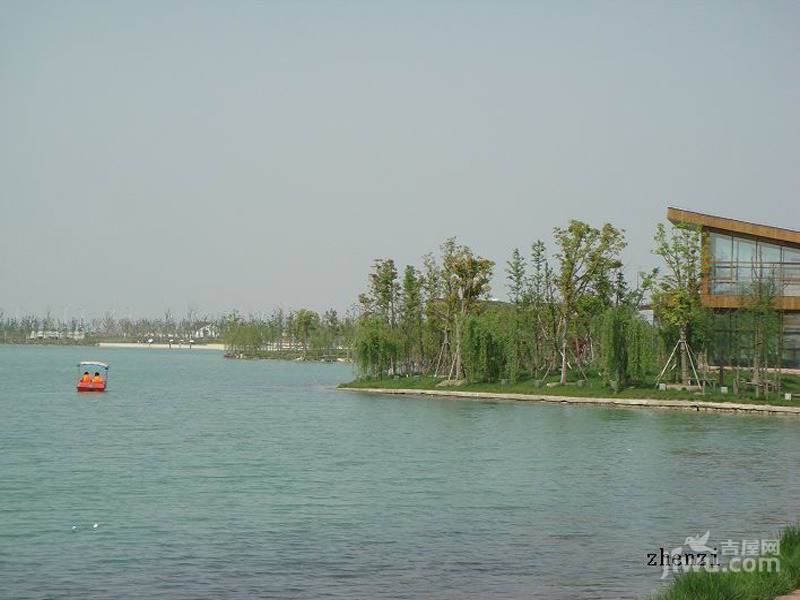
x: 86, y: 378
x: 97, y: 378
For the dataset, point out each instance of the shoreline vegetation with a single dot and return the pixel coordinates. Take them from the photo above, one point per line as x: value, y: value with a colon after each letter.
x: 592, y: 391
x: 756, y: 585
x: 575, y: 323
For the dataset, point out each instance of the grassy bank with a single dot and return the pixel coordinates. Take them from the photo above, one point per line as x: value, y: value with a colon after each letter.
x: 703, y: 585
x: 591, y: 388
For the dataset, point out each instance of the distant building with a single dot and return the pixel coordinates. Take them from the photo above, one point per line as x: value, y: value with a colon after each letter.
x: 56, y: 335
x: 737, y: 252
x: 208, y: 331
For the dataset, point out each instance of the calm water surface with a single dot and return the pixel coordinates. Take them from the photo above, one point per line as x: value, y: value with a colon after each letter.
x: 211, y: 478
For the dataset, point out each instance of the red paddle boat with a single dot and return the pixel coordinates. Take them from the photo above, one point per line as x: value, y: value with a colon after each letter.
x: 92, y: 376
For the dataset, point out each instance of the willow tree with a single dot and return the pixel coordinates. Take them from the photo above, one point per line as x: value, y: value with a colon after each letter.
x: 411, y: 318
x: 677, y: 296
x: 375, y: 347
x: 488, y: 352
x: 627, y: 342
x: 585, y: 256
x: 466, y: 282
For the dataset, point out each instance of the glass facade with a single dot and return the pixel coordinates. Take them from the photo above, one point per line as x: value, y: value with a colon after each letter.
x: 733, y: 339
x: 791, y: 340
x: 734, y: 262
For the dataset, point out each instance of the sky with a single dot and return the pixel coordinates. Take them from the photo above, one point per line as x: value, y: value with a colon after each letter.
x: 219, y: 155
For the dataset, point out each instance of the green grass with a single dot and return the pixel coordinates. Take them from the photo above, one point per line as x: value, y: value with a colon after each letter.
x: 592, y: 388
x: 703, y: 585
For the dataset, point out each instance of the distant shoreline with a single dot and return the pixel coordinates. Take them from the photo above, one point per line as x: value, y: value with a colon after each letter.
x: 217, y: 347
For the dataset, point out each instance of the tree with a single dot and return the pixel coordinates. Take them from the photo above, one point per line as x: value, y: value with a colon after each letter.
x: 436, y: 320
x: 466, y: 278
x: 374, y: 347
x: 383, y: 290
x: 541, y: 291
x: 520, y: 341
x: 332, y: 327
x: 626, y: 341
x: 517, y: 284
x: 764, y: 321
x: 306, y: 321
x: 677, y: 297
x: 585, y: 255
x: 279, y: 323
x: 411, y: 317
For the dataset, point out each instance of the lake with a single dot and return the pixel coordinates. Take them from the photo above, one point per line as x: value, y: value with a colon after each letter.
x: 211, y: 478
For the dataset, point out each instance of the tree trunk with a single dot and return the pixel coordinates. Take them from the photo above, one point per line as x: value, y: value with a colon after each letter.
x: 564, y: 352
x: 684, y: 358
x: 456, y: 371
x: 420, y: 350
x: 757, y: 360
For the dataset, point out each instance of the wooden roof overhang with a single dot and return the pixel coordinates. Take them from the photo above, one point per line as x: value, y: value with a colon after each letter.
x: 724, y: 224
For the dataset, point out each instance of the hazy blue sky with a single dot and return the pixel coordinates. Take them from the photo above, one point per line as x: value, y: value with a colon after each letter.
x: 241, y: 154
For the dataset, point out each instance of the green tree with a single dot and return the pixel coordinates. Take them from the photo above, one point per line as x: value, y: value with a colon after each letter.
x: 626, y: 345
x: 466, y: 278
x: 411, y: 318
x: 383, y: 291
x: 763, y: 320
x: 544, y: 308
x: 585, y: 255
x: 677, y: 296
x: 517, y: 284
x: 306, y: 322
x: 489, y: 345
x: 375, y: 348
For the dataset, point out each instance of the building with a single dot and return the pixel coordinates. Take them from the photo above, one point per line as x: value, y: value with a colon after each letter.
x: 735, y: 254
x: 56, y: 335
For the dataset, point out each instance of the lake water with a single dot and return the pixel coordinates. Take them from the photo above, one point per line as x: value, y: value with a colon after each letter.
x: 211, y: 478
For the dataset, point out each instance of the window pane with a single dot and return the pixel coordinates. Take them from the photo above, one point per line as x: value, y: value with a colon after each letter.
x: 722, y: 273
x: 791, y: 255
x: 721, y: 287
x: 791, y: 279
x: 791, y: 321
x: 745, y: 252
x: 744, y: 276
x: 721, y: 248
x: 791, y: 350
x: 769, y: 253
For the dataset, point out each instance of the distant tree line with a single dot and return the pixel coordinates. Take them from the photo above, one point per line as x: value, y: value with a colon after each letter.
x: 34, y: 327
x: 292, y: 333
x: 302, y: 333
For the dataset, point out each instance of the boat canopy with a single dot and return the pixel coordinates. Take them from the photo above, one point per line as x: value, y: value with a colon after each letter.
x: 93, y: 363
